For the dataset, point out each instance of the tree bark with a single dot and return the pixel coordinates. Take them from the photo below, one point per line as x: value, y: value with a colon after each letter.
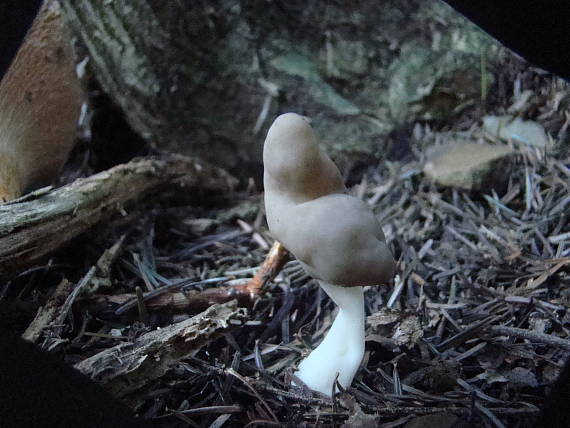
x: 207, y: 77
x: 164, y: 64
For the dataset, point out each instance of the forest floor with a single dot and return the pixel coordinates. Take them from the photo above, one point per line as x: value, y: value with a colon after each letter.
x: 475, y: 326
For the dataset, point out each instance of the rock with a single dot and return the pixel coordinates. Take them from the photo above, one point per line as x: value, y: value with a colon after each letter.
x: 469, y: 166
x: 515, y: 129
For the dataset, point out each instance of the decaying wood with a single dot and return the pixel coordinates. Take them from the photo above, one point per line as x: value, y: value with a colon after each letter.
x: 102, y: 278
x: 51, y: 325
x: 48, y: 312
x: 50, y: 318
x: 129, y: 366
x: 33, y: 226
x: 174, y: 300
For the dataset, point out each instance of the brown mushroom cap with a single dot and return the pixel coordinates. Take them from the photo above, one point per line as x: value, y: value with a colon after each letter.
x: 335, y: 236
x: 40, y: 101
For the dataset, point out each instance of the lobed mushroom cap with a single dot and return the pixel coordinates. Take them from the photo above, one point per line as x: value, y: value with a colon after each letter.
x: 295, y: 166
x: 334, y: 235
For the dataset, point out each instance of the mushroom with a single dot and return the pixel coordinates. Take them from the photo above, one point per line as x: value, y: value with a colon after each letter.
x: 40, y: 101
x: 335, y: 236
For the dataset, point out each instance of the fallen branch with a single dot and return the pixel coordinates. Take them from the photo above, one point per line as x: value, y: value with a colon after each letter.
x: 127, y: 367
x: 532, y: 336
x: 37, y: 224
x: 175, y: 301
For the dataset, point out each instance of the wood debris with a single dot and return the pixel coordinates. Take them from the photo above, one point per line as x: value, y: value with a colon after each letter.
x: 39, y: 223
x: 127, y: 367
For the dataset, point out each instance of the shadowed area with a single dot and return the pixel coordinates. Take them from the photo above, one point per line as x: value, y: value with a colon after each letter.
x: 38, y: 389
x: 538, y: 31
x: 15, y: 18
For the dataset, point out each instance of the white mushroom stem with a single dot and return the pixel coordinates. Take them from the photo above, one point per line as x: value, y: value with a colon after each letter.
x: 342, y: 349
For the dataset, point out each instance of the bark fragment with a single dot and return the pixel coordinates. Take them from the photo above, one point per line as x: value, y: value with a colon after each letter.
x: 129, y: 366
